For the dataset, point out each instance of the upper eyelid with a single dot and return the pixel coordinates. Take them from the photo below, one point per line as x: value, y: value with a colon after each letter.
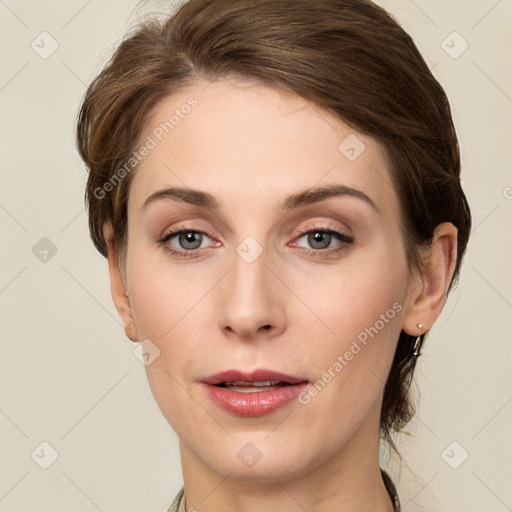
x: 327, y: 213
x: 327, y: 227
x: 302, y: 230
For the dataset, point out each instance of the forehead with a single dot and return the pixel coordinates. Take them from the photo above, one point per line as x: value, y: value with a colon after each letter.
x: 237, y: 138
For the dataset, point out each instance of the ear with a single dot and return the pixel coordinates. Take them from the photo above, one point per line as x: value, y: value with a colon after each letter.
x: 429, y: 287
x: 118, y: 286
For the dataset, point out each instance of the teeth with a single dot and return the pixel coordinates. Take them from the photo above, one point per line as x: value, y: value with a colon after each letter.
x: 249, y: 389
x: 263, y: 383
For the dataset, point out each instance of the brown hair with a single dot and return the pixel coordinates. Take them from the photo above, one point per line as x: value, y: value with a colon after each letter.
x: 349, y: 57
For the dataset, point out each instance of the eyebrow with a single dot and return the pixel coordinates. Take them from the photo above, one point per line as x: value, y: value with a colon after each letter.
x: 303, y: 198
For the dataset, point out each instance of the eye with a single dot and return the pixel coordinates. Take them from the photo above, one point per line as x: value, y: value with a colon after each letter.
x: 319, y: 239
x: 323, y: 241
x: 185, y: 242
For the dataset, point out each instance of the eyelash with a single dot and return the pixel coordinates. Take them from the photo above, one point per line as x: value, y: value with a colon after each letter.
x: 195, y: 253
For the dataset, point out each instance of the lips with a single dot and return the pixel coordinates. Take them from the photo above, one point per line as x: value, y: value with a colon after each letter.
x: 254, y: 393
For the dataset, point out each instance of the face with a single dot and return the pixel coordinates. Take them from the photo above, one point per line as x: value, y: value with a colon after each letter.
x: 282, y: 250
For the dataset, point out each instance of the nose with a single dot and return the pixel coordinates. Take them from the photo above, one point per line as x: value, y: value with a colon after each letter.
x: 251, y: 300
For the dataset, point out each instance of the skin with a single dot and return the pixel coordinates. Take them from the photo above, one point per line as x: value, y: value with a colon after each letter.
x: 250, y: 147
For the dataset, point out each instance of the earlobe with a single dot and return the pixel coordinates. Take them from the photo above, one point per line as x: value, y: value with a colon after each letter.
x: 430, y: 287
x: 118, y: 289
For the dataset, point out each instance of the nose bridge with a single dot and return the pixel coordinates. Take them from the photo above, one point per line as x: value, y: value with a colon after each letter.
x: 249, y: 280
x: 249, y: 301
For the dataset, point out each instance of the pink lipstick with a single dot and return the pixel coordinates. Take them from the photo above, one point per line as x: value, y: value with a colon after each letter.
x: 255, y: 393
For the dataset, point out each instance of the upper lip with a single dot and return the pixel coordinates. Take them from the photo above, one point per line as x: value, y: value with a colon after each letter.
x: 259, y: 375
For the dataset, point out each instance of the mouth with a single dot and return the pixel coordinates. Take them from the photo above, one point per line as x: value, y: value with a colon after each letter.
x: 258, y: 379
x: 255, y: 393
x: 252, y: 387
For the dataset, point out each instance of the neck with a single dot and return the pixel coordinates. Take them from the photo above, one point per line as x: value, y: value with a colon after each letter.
x: 348, y: 480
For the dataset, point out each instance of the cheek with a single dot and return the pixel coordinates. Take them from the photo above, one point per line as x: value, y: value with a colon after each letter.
x: 359, y: 316
x: 168, y: 307
x: 347, y: 301
x: 162, y: 294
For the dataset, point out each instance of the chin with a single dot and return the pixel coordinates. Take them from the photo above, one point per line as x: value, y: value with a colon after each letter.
x: 256, y: 459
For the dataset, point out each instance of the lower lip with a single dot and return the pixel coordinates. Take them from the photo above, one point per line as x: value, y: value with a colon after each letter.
x: 254, y: 404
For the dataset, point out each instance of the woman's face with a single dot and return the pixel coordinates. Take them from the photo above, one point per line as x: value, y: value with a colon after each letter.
x: 267, y: 274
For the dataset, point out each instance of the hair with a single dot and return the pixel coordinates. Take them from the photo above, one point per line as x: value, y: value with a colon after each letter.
x: 349, y: 57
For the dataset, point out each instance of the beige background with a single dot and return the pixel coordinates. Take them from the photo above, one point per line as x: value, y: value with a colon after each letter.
x: 68, y: 374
